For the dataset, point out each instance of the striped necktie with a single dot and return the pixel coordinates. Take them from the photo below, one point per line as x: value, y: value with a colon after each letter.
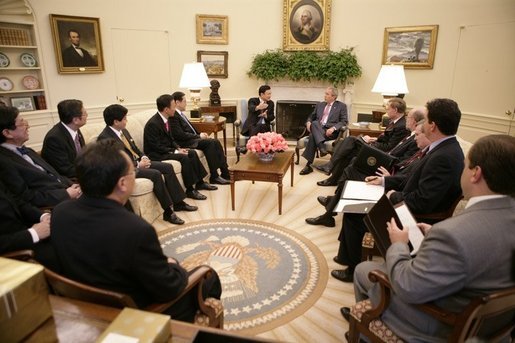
x: 135, y: 156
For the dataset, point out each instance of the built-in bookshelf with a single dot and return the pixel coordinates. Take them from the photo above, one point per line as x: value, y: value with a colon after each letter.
x: 21, y: 78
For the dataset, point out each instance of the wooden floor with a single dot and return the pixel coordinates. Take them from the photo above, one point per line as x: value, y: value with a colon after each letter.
x: 323, y: 322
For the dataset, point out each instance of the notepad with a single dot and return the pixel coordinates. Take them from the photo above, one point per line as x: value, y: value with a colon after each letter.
x: 358, y: 197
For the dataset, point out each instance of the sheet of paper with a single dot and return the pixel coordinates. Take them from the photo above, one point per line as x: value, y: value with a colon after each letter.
x: 344, y: 202
x: 359, y: 190
x: 415, y: 234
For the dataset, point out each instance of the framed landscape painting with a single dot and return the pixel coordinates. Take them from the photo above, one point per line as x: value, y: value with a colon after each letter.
x: 212, y: 29
x: 215, y: 63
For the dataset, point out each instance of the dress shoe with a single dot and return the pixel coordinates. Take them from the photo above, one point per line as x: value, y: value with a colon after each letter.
x: 306, y: 170
x: 345, y: 311
x: 337, y: 260
x: 326, y: 182
x: 323, y: 151
x: 322, y: 200
x: 173, y: 218
x: 324, y: 220
x: 345, y: 275
x: 194, y: 194
x: 219, y: 181
x: 182, y: 206
x: 323, y: 169
x: 205, y: 186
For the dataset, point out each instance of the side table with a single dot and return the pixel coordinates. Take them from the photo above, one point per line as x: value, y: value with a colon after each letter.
x: 356, y: 131
x: 210, y: 127
x: 228, y: 112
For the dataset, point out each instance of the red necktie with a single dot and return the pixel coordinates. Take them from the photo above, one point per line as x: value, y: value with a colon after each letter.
x: 167, y: 127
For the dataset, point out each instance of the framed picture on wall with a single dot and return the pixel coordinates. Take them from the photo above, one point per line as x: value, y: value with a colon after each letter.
x: 412, y: 46
x: 23, y: 104
x: 77, y: 43
x: 212, y: 29
x: 215, y: 63
x: 306, y: 25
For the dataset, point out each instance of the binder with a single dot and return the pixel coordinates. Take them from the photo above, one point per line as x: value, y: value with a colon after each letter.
x: 370, y: 158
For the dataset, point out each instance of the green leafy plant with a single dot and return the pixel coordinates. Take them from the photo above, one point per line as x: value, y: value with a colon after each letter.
x: 333, y: 67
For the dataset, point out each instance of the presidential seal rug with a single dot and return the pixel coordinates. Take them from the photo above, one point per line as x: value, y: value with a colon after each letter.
x: 270, y: 275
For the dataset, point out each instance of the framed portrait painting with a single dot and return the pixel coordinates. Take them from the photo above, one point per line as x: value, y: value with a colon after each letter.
x: 306, y: 25
x: 215, y: 63
x: 77, y: 43
x: 212, y: 29
x: 412, y: 46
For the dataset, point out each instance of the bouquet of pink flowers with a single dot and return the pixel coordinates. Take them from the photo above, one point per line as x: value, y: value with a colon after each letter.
x: 267, y: 142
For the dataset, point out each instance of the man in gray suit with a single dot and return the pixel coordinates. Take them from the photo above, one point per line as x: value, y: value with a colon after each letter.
x: 460, y: 258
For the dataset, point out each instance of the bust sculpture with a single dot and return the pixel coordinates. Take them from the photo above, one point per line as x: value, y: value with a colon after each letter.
x: 214, y: 98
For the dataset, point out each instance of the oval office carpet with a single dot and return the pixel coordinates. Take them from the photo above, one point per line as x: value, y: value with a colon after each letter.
x: 270, y: 275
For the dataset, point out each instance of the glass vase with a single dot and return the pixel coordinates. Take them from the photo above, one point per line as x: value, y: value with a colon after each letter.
x: 266, y: 156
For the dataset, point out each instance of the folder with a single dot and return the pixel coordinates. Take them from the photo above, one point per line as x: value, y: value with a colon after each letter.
x: 358, y: 197
x: 381, y: 213
x: 370, y: 158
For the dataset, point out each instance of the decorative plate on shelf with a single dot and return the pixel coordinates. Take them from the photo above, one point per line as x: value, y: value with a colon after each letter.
x: 30, y: 82
x: 4, y: 60
x: 6, y: 84
x: 28, y: 60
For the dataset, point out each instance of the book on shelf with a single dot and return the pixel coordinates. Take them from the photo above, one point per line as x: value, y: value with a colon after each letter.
x: 40, y: 102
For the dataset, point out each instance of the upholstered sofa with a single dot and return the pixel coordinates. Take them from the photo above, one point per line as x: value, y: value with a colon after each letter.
x: 143, y: 200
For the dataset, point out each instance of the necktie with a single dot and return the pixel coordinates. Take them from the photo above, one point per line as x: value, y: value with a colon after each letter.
x: 23, y: 150
x: 417, y: 156
x: 77, y: 143
x: 79, y: 51
x: 24, y: 154
x: 167, y: 127
x: 135, y: 156
x: 327, y: 109
x: 188, y: 122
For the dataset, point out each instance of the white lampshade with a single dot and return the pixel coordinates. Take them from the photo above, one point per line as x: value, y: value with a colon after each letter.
x: 194, y: 76
x: 391, y: 81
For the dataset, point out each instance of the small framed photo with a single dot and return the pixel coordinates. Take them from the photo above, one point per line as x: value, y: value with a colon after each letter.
x: 215, y: 63
x: 77, y: 43
x: 23, y: 104
x: 212, y: 29
x: 306, y: 25
x: 412, y: 46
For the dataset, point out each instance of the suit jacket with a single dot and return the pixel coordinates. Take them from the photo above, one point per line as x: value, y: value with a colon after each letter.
x: 59, y: 150
x: 108, y: 133
x: 87, y: 238
x: 26, y: 182
x: 434, y: 183
x: 157, y: 142
x: 392, y: 135
x: 71, y: 58
x: 405, y: 149
x: 183, y: 134
x: 460, y: 258
x: 253, y: 115
x: 337, y: 115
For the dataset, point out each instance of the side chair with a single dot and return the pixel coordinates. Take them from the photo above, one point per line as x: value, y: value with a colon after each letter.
x: 210, y: 311
x: 366, y: 320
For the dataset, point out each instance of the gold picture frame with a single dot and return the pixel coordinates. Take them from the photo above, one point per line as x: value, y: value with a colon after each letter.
x: 411, y: 46
x: 306, y: 25
x: 215, y: 63
x: 66, y: 29
x: 212, y: 29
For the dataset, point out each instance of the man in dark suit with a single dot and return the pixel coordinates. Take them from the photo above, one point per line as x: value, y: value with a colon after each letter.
x: 187, y: 137
x: 404, y: 152
x: 102, y: 244
x: 159, y: 145
x: 28, y: 176
x: 260, y: 113
x: 349, y: 148
x: 323, y: 124
x: 64, y: 141
x: 169, y: 192
x: 432, y: 186
x: 462, y: 257
x: 74, y: 55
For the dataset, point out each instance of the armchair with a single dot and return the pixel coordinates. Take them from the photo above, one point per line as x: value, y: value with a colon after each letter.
x: 302, y: 140
x: 366, y: 320
x: 210, y: 311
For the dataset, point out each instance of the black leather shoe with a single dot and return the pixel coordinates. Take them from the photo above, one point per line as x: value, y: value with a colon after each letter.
x: 173, y: 218
x: 345, y: 311
x: 182, y: 206
x: 326, y: 182
x: 345, y: 275
x: 220, y: 181
x: 322, y: 200
x: 194, y: 194
x: 205, y: 186
x: 324, y: 169
x: 323, y: 151
x: 337, y: 260
x: 306, y: 170
x: 324, y: 220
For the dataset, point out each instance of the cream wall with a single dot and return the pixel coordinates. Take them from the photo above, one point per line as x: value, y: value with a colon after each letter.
x: 257, y: 25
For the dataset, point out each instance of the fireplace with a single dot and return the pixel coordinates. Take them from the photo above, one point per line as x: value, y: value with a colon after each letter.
x: 291, y: 117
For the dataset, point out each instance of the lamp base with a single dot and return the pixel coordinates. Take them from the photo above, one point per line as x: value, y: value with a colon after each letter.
x: 195, y: 114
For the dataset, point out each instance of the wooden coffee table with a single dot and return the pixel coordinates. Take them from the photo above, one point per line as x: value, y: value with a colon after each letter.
x: 251, y: 168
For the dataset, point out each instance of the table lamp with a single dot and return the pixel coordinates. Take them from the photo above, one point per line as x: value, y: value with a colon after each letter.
x: 391, y: 82
x: 194, y: 78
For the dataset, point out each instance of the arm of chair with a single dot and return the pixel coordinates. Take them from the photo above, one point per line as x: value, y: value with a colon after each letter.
x: 22, y: 255
x: 385, y: 287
